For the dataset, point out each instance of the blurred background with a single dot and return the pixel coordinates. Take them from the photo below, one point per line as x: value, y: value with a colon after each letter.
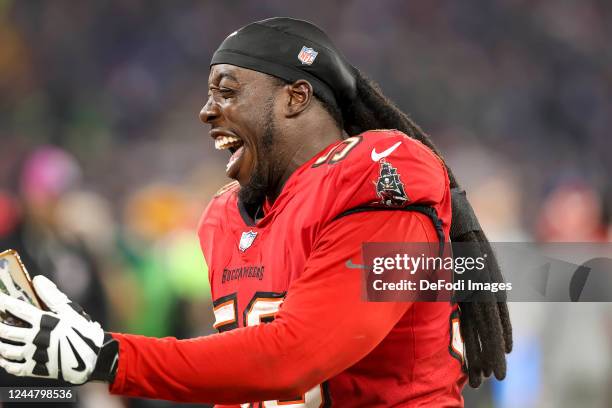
x: 105, y: 168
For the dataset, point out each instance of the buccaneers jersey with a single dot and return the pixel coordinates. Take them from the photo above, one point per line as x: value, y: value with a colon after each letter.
x: 294, y: 329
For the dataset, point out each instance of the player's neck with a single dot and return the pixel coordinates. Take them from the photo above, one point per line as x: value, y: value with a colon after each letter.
x: 306, y: 142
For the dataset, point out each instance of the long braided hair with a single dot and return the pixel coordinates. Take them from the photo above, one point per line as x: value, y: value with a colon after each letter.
x: 485, y: 325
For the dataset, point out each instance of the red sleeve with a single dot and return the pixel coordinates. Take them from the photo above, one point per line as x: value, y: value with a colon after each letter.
x: 322, y: 328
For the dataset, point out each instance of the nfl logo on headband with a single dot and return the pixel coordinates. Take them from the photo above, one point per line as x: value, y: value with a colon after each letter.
x: 307, y: 55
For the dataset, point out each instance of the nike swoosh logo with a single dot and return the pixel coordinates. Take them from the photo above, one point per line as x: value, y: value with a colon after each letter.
x: 377, y: 156
x: 80, y: 363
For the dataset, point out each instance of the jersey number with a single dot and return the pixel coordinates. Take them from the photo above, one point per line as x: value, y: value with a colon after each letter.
x: 339, y: 152
x: 261, y: 309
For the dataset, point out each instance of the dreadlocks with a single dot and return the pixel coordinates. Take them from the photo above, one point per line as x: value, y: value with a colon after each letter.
x: 485, y: 325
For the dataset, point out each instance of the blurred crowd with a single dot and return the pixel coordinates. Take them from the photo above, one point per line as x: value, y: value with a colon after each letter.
x: 105, y: 169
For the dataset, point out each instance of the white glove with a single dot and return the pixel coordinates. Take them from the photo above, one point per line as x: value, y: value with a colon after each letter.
x: 62, y: 343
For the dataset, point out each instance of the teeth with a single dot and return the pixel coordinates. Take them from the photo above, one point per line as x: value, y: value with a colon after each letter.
x: 225, y: 142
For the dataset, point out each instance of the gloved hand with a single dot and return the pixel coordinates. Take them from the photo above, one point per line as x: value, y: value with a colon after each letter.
x: 62, y: 343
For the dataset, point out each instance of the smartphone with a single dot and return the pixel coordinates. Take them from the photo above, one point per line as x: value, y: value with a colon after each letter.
x: 15, y: 281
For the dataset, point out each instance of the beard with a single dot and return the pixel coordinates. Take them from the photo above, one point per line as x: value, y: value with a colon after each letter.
x: 253, y: 194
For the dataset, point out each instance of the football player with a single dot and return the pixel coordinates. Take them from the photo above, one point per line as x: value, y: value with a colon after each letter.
x: 316, y: 175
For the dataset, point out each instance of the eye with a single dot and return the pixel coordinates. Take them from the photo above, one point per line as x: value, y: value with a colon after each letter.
x: 226, y: 92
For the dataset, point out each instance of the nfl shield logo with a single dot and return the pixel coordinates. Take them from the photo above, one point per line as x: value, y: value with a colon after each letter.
x: 246, y: 240
x: 307, y: 55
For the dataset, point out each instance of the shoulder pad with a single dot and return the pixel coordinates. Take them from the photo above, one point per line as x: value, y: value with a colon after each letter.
x: 388, y: 168
x: 217, y: 210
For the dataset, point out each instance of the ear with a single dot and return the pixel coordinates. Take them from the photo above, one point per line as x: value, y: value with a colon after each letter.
x: 300, y: 95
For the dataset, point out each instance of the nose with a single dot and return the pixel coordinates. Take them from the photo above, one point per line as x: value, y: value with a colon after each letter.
x: 209, y: 112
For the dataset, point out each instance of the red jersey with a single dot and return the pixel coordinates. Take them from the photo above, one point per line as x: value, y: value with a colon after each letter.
x: 294, y: 328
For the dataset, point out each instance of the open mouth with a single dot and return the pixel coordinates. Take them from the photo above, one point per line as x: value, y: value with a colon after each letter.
x: 230, y: 143
x: 235, y: 145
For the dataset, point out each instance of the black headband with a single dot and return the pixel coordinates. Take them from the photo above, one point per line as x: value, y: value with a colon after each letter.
x: 290, y: 49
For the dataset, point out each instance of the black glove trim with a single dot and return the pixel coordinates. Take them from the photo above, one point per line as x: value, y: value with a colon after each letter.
x: 42, y: 341
x: 107, y: 362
